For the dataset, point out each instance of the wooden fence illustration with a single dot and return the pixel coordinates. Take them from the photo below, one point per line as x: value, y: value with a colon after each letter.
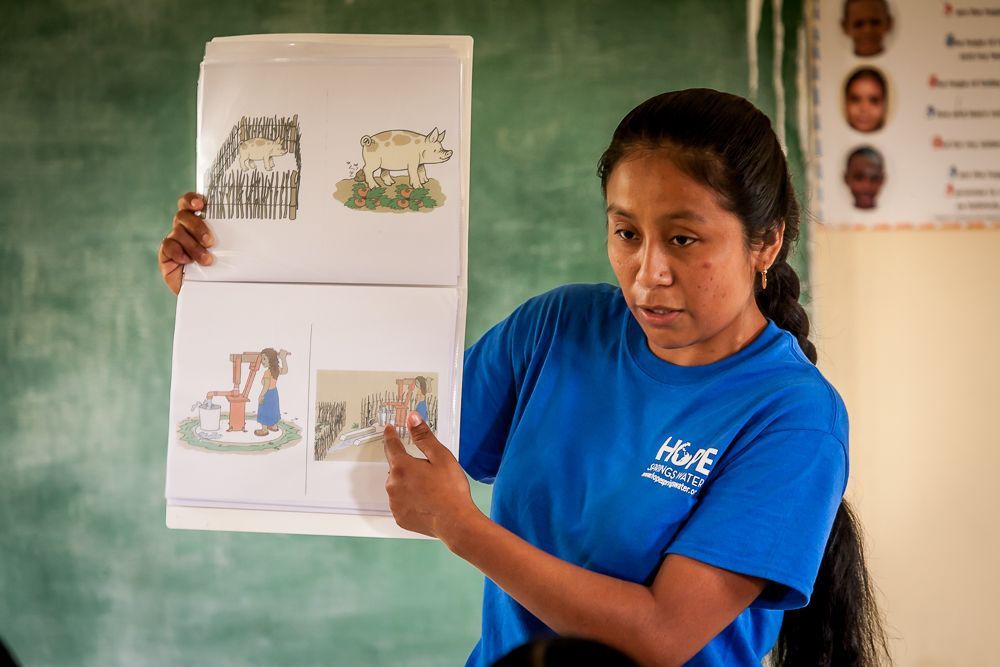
x: 254, y: 194
x: 330, y: 419
x: 250, y: 193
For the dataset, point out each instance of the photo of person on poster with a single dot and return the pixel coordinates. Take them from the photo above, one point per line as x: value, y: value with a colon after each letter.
x: 864, y: 175
x: 867, y: 22
x: 866, y: 98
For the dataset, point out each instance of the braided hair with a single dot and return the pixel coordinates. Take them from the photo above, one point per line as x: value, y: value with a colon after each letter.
x: 727, y: 144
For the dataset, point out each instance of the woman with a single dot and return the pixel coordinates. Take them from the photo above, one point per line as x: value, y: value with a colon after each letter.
x: 268, y: 407
x: 420, y: 394
x: 667, y: 463
x: 865, y: 100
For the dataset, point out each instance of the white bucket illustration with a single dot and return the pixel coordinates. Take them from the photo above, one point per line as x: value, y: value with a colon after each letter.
x: 210, y: 416
x: 386, y: 415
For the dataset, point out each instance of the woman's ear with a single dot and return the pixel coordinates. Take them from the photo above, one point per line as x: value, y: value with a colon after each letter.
x: 767, y: 252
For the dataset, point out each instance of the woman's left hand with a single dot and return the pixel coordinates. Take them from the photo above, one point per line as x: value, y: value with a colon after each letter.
x: 429, y: 496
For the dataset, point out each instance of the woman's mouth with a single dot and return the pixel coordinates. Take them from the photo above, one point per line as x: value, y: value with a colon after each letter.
x: 656, y: 316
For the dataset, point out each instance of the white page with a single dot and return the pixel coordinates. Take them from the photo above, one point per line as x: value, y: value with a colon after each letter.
x: 398, y: 351
x: 332, y: 328
x: 325, y: 102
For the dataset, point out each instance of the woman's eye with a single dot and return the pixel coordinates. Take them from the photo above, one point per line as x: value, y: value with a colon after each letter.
x: 682, y: 240
x: 625, y: 234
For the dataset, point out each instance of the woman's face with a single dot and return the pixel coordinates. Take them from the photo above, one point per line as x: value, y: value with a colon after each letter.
x: 865, y: 104
x: 681, y: 261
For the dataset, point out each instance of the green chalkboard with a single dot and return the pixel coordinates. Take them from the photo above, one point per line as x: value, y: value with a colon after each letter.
x: 97, y: 127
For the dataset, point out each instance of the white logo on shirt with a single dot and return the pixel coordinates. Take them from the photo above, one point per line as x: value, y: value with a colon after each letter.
x: 675, y: 459
x: 679, y: 455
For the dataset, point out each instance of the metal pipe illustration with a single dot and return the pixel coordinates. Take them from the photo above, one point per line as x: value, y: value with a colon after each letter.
x: 357, y: 433
x: 359, y: 440
x: 364, y: 440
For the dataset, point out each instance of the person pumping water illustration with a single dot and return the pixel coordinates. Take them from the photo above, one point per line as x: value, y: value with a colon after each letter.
x: 268, y: 408
x: 420, y: 390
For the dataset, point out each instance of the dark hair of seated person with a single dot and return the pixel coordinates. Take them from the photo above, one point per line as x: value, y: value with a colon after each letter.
x: 564, y: 651
x: 6, y: 656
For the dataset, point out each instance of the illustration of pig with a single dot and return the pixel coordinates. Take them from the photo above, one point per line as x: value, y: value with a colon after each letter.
x: 400, y: 150
x: 258, y: 148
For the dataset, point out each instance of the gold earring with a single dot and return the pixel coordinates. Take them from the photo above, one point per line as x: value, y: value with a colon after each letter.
x: 763, y: 279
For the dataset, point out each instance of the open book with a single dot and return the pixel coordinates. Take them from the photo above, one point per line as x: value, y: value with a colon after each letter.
x: 336, y: 173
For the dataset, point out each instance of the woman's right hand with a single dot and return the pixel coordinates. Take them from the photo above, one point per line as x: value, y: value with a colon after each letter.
x: 188, y: 241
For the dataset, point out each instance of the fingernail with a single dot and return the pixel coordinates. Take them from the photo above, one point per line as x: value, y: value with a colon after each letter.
x: 197, y: 202
x: 207, y: 239
x: 414, y: 419
x: 208, y: 258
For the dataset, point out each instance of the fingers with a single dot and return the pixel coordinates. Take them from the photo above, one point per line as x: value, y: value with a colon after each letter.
x: 423, y: 437
x: 395, y: 453
x: 188, y: 240
x: 188, y: 207
x: 191, y: 201
x: 193, y: 250
x: 195, y: 226
x: 172, y: 252
x: 170, y: 268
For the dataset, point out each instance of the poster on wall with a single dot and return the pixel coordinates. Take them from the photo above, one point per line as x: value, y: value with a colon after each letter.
x: 335, y: 170
x: 906, y: 113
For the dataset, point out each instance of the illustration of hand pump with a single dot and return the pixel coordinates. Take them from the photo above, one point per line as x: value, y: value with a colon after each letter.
x: 237, y: 398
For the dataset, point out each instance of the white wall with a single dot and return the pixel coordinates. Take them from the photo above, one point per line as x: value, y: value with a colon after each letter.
x: 908, y: 330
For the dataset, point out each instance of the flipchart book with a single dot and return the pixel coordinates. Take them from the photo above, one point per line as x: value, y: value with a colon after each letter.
x: 336, y: 175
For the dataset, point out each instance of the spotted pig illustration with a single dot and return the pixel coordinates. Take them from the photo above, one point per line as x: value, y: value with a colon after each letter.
x: 400, y: 150
x: 259, y: 148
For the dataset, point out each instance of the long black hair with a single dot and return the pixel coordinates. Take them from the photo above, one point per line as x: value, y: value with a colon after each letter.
x: 727, y: 144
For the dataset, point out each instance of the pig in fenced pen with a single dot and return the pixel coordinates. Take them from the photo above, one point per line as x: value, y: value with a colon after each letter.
x: 400, y: 150
x: 259, y: 148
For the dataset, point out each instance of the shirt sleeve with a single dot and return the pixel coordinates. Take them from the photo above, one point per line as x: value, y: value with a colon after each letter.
x: 494, y: 371
x: 768, y: 513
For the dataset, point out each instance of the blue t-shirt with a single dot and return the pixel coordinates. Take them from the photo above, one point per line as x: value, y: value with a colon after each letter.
x: 610, y: 458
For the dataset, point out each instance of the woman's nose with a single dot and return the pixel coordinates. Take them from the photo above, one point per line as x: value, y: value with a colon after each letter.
x: 655, y: 267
